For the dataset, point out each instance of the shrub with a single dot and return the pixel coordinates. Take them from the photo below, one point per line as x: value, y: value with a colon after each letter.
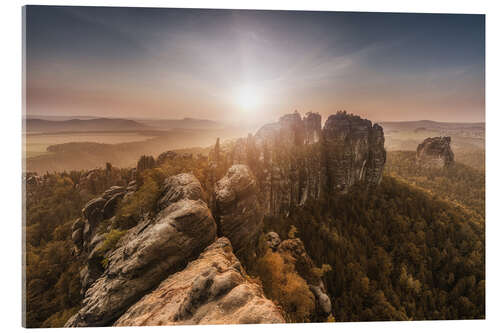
x: 109, y: 243
x: 283, y: 285
x: 142, y: 201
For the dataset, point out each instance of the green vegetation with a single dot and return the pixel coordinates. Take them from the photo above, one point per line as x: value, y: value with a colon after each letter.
x: 458, y: 183
x: 52, y: 282
x: 52, y: 272
x: 396, y: 252
x: 283, y: 285
x: 109, y: 243
x: 413, y: 248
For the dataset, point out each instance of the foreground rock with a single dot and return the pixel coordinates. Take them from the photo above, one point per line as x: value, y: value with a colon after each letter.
x: 157, y: 247
x: 238, y: 213
x: 212, y: 289
x: 435, y: 152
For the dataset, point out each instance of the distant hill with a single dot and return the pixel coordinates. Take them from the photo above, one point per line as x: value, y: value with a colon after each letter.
x: 430, y: 125
x: 186, y: 123
x: 84, y: 125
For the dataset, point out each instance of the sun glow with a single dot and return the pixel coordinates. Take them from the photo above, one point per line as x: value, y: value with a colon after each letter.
x: 248, y: 98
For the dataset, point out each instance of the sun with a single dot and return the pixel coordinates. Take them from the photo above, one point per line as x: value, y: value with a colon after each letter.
x: 248, y: 98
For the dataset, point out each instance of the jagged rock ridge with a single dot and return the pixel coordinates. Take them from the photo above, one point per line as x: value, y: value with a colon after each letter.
x: 295, y: 160
x: 161, y: 245
x: 157, y: 247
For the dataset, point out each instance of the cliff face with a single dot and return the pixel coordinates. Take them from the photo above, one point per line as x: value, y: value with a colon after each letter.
x: 435, y: 152
x: 354, y: 151
x: 295, y: 160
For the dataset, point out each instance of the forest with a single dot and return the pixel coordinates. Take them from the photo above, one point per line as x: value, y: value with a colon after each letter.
x: 410, y: 249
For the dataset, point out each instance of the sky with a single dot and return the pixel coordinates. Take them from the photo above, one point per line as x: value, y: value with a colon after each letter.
x: 253, y: 66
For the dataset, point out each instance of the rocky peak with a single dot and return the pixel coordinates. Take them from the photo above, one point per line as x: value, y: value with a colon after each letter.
x: 353, y: 151
x: 435, y: 152
x: 312, y: 123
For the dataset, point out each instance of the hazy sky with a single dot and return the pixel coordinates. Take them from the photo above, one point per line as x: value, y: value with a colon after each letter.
x: 253, y: 65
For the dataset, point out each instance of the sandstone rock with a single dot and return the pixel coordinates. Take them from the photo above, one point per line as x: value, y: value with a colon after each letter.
x: 295, y: 160
x: 93, y: 210
x: 354, y: 151
x: 146, y: 255
x: 77, y: 237
x: 210, y: 290
x: 78, y: 224
x: 108, y: 210
x: 181, y: 186
x: 238, y: 213
x: 435, y: 152
x: 272, y: 240
x: 312, y: 123
x: 112, y: 191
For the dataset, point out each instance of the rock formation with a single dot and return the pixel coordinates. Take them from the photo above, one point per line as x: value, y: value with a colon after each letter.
x: 171, y: 268
x: 295, y: 160
x: 156, y: 247
x: 435, y: 152
x: 353, y: 150
x: 212, y: 289
x: 238, y: 213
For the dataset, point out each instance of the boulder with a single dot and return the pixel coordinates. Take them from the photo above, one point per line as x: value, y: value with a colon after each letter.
x: 212, y: 289
x: 108, y: 210
x: 272, y: 240
x: 93, y: 210
x: 184, y: 185
x: 238, y: 213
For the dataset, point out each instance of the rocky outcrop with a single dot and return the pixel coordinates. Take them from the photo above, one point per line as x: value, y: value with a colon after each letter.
x: 181, y: 186
x: 157, y: 247
x: 295, y: 160
x: 435, y: 152
x: 144, y: 163
x: 353, y: 152
x: 213, y: 289
x: 238, y: 213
